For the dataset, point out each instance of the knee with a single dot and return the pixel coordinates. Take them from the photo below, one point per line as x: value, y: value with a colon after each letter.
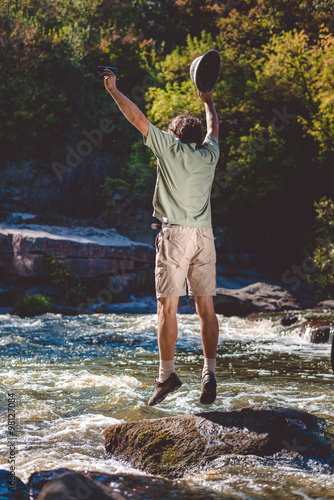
x: 166, y: 308
x: 205, y: 309
x: 207, y: 315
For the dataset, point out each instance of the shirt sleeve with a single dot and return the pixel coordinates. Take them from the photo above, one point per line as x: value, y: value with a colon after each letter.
x: 158, y: 141
x: 210, y: 147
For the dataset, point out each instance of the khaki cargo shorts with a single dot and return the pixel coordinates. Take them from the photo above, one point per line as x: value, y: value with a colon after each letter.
x: 185, y: 256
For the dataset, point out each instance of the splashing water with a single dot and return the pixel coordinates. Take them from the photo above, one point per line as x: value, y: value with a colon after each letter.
x: 73, y: 376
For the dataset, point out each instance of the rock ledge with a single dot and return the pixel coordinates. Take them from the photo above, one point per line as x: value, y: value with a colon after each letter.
x: 175, y: 446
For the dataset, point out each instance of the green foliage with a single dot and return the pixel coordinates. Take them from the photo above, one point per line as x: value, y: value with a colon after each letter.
x: 322, y: 255
x: 32, y: 305
x: 125, y: 196
x: 296, y: 68
x: 67, y: 281
x: 276, y: 83
x: 252, y: 171
x: 49, y: 91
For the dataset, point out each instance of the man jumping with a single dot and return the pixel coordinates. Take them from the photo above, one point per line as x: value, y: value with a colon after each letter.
x: 185, y: 250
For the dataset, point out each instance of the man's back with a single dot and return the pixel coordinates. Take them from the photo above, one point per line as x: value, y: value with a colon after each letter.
x: 184, y: 178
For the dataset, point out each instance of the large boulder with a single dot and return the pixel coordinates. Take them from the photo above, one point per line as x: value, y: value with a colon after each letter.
x: 91, y: 253
x: 258, y: 297
x: 73, y: 485
x: 175, y: 446
x: 61, y: 484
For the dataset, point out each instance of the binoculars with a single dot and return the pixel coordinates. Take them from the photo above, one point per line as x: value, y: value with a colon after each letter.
x: 101, y: 68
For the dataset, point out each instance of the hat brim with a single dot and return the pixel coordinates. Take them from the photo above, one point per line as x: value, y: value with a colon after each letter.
x: 205, y: 71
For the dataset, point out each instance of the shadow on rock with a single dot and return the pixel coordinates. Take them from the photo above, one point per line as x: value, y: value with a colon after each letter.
x: 175, y: 446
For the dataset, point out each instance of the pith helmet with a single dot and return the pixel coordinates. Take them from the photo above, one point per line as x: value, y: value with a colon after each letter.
x: 204, y: 71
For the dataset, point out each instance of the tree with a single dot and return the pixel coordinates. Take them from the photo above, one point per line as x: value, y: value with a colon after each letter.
x: 321, y: 248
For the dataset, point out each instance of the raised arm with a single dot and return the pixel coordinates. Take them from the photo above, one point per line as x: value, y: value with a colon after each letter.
x: 212, y: 122
x: 131, y: 112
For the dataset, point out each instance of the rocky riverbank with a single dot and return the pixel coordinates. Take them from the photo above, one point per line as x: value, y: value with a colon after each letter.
x: 62, y: 262
x: 87, y: 269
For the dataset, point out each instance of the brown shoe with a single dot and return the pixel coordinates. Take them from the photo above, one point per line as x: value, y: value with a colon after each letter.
x: 162, y: 389
x: 209, y: 388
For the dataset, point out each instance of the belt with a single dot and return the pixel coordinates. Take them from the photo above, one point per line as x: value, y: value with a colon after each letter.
x: 158, y: 226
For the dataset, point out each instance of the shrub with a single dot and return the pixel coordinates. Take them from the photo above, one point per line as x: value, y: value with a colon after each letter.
x: 32, y: 305
x: 322, y: 253
x: 68, y: 282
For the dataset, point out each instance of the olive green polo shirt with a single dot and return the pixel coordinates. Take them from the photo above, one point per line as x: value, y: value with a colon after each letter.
x: 185, y: 175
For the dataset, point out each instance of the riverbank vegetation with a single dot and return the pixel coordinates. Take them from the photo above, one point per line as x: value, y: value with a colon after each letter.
x: 66, y: 151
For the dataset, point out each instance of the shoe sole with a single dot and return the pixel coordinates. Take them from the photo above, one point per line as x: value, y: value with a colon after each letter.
x: 209, y: 393
x: 161, y: 398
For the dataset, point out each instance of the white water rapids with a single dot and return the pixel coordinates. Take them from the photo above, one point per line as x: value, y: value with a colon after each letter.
x: 73, y: 376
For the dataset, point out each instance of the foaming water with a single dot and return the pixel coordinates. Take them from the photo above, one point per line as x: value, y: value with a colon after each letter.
x: 73, y: 376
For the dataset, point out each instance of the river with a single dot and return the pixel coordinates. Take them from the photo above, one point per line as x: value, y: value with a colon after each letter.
x: 73, y: 376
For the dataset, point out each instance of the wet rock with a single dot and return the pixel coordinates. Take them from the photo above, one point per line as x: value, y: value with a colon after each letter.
x: 11, y: 487
x: 289, y: 320
x: 73, y: 486
x: 321, y: 335
x: 258, y: 297
x: 175, y: 446
x: 122, y: 485
x: 320, y: 331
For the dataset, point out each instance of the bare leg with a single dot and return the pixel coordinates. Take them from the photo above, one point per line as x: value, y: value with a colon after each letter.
x: 167, y: 326
x: 209, y: 325
x: 168, y: 381
x: 209, y: 334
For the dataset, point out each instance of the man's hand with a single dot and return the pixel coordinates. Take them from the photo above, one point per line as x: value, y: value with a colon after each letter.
x: 205, y: 97
x: 109, y: 80
x: 131, y: 112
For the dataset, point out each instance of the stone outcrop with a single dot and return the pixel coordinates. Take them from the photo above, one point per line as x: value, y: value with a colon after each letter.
x: 320, y: 331
x: 326, y: 304
x: 175, y: 446
x: 91, y: 253
x: 258, y: 297
x: 61, y: 484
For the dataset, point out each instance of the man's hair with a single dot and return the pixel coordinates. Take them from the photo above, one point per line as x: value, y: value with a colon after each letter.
x: 187, y: 128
